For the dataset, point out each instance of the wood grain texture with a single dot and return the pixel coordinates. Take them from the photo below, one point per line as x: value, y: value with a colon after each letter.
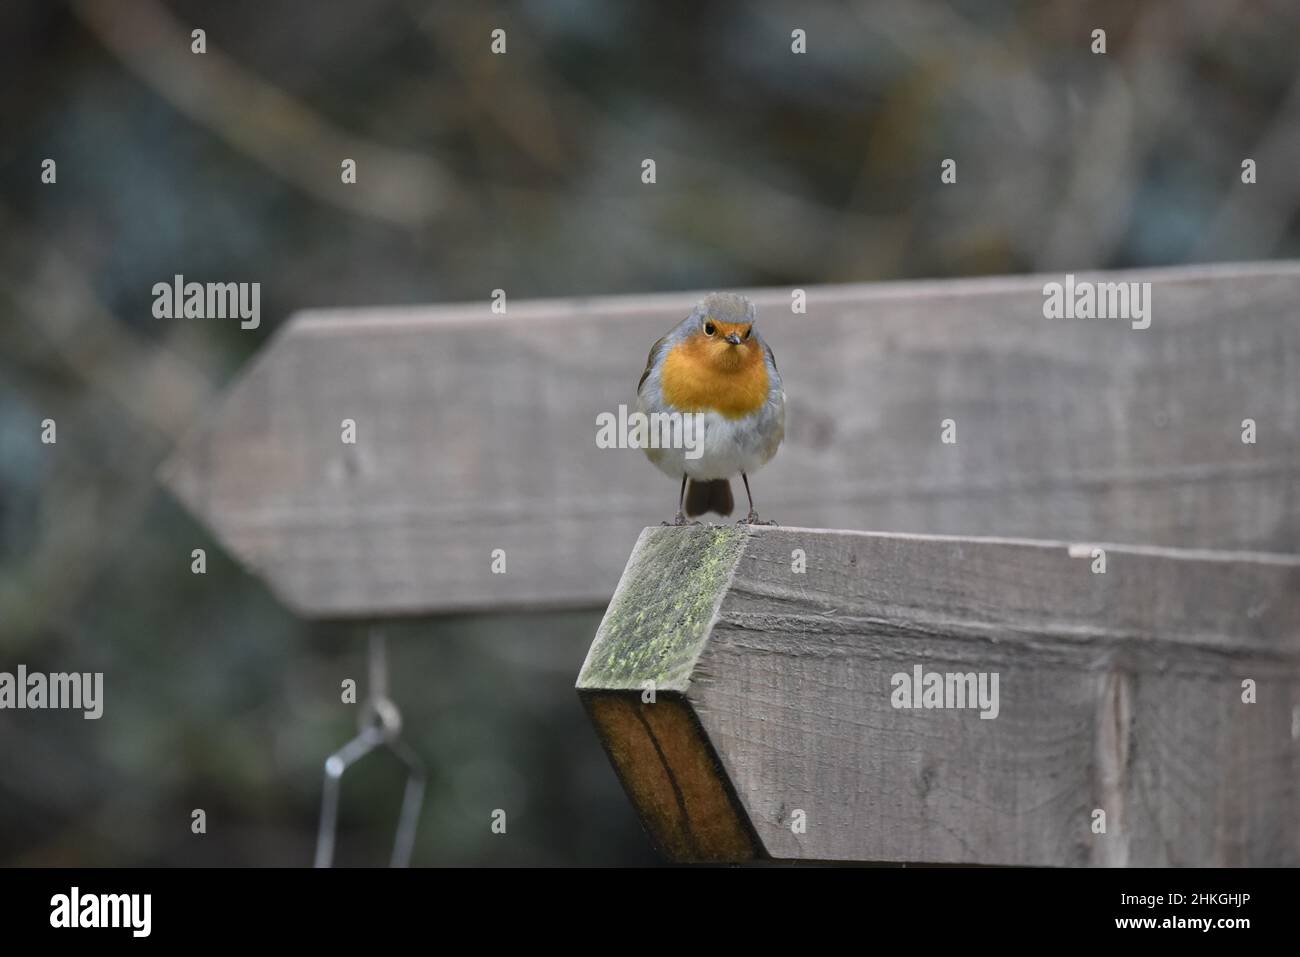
x: 477, y: 432
x: 1119, y: 691
x: 673, y: 777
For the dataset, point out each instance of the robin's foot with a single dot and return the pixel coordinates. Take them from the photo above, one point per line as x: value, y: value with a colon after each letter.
x: 680, y: 520
x: 753, y: 519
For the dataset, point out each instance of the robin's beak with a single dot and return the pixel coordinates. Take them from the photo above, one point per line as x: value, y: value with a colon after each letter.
x: 733, y: 338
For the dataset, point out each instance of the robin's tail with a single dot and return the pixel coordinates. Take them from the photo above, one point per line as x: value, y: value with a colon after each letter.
x: 714, y: 496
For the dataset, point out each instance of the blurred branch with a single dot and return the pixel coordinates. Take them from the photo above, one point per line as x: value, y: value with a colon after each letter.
x: 61, y: 323
x: 256, y: 118
x: 1252, y: 221
x: 522, y: 111
x: 60, y: 314
x: 719, y: 205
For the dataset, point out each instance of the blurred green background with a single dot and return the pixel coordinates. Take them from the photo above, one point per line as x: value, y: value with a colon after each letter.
x: 477, y: 172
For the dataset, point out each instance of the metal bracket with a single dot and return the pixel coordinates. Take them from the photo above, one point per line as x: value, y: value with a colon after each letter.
x: 380, y: 726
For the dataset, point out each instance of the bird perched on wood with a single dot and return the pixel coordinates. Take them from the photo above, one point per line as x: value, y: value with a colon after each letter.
x: 715, y: 363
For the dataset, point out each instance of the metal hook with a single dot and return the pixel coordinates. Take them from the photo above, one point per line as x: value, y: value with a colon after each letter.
x: 380, y: 725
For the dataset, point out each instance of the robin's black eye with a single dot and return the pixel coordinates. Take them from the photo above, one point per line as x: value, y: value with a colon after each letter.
x: 746, y: 335
x: 710, y: 328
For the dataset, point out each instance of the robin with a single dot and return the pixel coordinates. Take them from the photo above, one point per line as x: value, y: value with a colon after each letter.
x: 716, y: 363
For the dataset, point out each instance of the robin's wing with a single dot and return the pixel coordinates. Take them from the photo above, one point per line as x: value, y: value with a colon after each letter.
x: 770, y: 358
x: 650, y: 362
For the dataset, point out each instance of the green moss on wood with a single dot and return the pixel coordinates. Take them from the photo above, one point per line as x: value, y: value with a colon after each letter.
x: 659, y: 617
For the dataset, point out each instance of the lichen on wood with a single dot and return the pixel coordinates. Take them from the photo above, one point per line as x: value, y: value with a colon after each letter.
x: 660, y: 615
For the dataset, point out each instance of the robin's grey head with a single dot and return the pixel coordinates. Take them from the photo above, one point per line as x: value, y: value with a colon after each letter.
x: 727, y: 308
x: 723, y: 318
x: 725, y: 314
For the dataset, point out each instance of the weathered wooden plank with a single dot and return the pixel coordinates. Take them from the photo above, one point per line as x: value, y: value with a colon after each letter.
x: 1120, y: 691
x: 477, y: 432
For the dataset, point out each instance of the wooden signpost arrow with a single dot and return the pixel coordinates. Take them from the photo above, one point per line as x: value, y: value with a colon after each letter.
x: 1127, y: 617
x: 475, y: 433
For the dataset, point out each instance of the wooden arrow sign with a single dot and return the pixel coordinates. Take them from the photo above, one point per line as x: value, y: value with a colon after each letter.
x: 955, y: 407
x: 926, y: 699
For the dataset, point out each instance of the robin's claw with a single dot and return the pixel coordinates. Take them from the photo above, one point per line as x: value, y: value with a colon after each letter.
x: 753, y: 519
x: 680, y: 520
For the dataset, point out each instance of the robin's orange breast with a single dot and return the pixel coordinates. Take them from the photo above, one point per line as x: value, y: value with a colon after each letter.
x: 702, y: 377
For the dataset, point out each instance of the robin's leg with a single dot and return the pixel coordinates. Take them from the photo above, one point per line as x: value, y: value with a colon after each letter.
x: 681, y: 508
x: 752, y: 517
